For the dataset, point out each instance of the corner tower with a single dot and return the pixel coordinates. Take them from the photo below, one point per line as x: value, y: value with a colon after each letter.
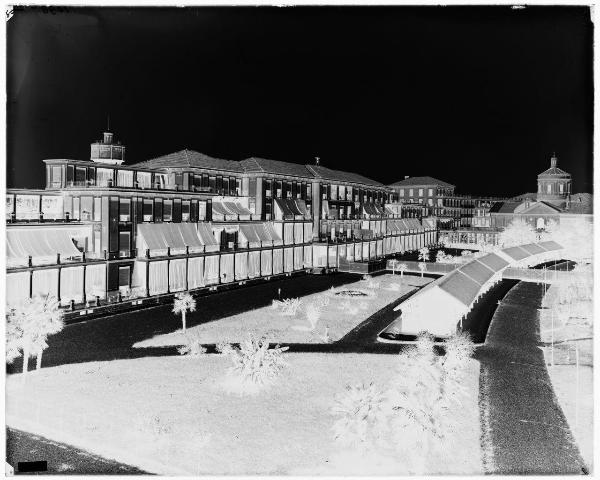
x: 107, y: 150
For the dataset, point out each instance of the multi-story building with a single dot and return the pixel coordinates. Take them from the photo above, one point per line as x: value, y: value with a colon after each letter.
x: 438, y: 198
x: 103, y: 230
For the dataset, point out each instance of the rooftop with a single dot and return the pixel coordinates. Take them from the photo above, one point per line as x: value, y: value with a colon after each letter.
x: 277, y: 167
x: 412, y: 181
x: 341, y: 176
x: 191, y: 159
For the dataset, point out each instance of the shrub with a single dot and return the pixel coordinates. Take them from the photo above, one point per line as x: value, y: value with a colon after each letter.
x: 288, y: 306
x: 361, y: 412
x: 193, y: 346
x: 224, y: 348
x: 255, y: 364
x: 313, y: 314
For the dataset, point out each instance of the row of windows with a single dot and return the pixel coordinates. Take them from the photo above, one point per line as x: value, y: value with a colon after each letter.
x: 54, y: 207
x: 225, y: 185
x: 411, y: 192
x: 109, y: 177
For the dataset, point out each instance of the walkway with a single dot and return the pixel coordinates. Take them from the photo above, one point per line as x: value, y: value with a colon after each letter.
x: 523, y: 427
x: 60, y: 458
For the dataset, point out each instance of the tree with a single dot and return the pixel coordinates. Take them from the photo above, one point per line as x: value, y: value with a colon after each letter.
x: 394, y: 264
x: 424, y: 254
x: 29, y: 326
x: 182, y: 303
x: 518, y: 232
x: 403, y: 267
x: 422, y: 267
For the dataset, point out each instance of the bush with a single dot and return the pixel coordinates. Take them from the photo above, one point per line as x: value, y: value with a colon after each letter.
x: 288, y: 306
x: 193, y: 346
x: 255, y: 365
x: 223, y: 348
x: 361, y: 412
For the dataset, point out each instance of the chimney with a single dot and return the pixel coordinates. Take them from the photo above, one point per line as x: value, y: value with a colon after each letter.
x: 317, y: 161
x: 108, y: 138
x: 553, y: 161
x: 406, y: 176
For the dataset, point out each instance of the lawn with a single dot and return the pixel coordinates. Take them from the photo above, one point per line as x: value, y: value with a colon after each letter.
x: 339, y: 316
x: 172, y: 415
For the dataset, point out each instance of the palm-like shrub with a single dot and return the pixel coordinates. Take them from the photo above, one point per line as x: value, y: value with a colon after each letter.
x: 422, y: 267
x: 418, y: 411
x: 183, y: 303
x: 255, y: 364
x: 29, y: 326
x: 424, y: 254
x: 361, y: 415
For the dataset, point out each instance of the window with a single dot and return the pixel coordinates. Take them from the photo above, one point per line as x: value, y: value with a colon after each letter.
x: 238, y: 187
x: 147, y: 211
x: 56, y: 176
x: 104, y: 177
x: 549, y: 188
x: 125, y: 178
x: 420, y: 192
x: 561, y: 188
x: 144, y: 180
x: 308, y: 191
x: 430, y: 201
x: 168, y: 211
x: 431, y: 192
x: 75, y: 208
x: 97, y: 209
x: 124, y: 277
x: 411, y: 192
x: 268, y: 188
x: 124, y: 210
x: 185, y: 211
x: 212, y: 184
x: 80, y: 175
x: 87, y: 208
x: 124, y: 244
x: 334, y: 192
x: 201, y: 211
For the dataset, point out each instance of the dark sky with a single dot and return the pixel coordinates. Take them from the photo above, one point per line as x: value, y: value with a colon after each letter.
x: 477, y: 96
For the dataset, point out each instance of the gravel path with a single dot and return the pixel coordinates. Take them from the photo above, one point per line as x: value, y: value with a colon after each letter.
x: 523, y: 427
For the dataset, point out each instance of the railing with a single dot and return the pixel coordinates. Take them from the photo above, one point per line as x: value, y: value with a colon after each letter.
x: 413, y: 267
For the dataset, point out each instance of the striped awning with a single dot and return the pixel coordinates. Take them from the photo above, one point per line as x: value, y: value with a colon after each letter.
x: 22, y: 243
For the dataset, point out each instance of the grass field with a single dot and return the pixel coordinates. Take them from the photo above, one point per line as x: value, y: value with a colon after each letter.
x: 172, y: 415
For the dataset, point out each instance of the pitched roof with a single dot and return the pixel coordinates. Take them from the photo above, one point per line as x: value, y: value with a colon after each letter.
x: 582, y: 203
x: 554, y: 172
x: 504, y: 207
x: 411, y: 181
x: 523, y: 196
x: 257, y: 164
x: 191, y: 159
x: 341, y: 176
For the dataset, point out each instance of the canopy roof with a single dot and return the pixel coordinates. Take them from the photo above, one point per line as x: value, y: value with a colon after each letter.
x: 22, y: 243
x: 160, y: 236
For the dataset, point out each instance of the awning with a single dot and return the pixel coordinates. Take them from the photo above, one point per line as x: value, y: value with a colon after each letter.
x: 294, y: 207
x: 272, y: 234
x: 237, y: 209
x: 284, y: 206
x: 22, y: 243
x: 219, y: 209
x: 301, y: 204
x: 205, y: 234
x: 388, y: 211
x: 250, y: 233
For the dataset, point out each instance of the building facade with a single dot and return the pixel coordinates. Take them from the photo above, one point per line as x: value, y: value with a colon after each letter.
x: 103, y: 230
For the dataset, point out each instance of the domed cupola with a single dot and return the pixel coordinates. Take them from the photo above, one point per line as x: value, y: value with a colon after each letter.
x: 554, y: 184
